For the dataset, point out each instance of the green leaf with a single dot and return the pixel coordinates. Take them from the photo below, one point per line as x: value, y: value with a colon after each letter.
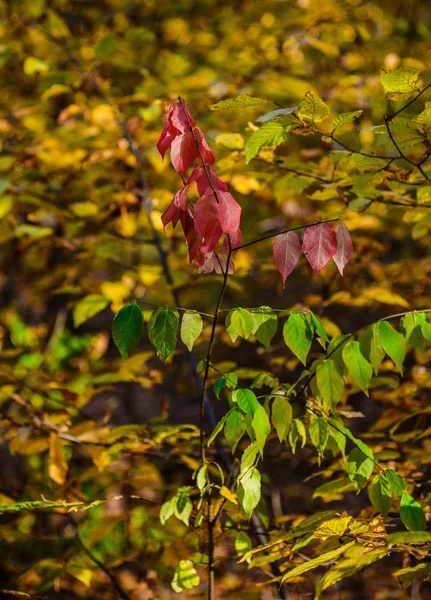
x: 415, y: 330
x: 276, y: 114
x: 393, y: 344
x: 380, y: 494
x: 397, y: 483
x: 162, y: 330
x: 191, y: 328
x: 88, y: 307
x: 234, y: 429
x: 423, y: 195
x: 127, y: 328
x: 348, y: 567
x: 244, y: 101
x: 409, y: 537
x: 240, y: 323
x: 313, y: 109
x: 315, y: 562
x: 219, y: 426
x: 185, y: 577
x: 319, y: 327
x: 345, y: 118
x: 400, y: 83
x: 338, y: 426
x: 281, y: 416
x: 249, y: 490
x: 246, y: 400
x: 242, y: 543
x: 359, y: 368
x: 330, y: 384
x: 371, y: 346
x: 218, y: 386
x: 411, y: 513
x: 265, y: 324
x: 298, y: 335
x: 335, y: 352
x: 271, y: 134
x: 261, y: 427
x: 248, y: 458
x: 422, y: 571
x: 167, y: 509
x: 359, y: 468
x: 297, y: 430
x: 319, y: 434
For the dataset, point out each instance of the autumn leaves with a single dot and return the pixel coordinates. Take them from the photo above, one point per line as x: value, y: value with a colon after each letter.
x: 216, y: 213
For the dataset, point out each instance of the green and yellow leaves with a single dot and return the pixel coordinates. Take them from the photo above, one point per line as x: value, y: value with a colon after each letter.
x: 312, y: 109
x: 163, y: 330
x: 281, y: 416
x: 244, y: 101
x: 411, y: 513
x: 359, y: 368
x: 179, y: 505
x: 191, y: 328
x: 315, y: 562
x: 380, y: 493
x: 330, y: 384
x: 393, y: 344
x: 127, y: 328
x: 298, y: 335
x: 401, y: 84
x: 265, y: 324
x: 88, y: 307
x: 348, y: 567
x: 234, y: 428
x: 185, y: 577
x: 359, y: 468
x: 249, y: 490
x: 272, y: 134
x: 345, y: 118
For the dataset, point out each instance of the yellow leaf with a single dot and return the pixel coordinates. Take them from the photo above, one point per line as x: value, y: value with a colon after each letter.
x: 57, y: 463
x: 226, y: 493
x: 386, y: 296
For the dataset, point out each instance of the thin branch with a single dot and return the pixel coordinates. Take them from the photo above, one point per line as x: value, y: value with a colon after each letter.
x: 271, y: 235
x: 121, y: 592
x: 181, y: 308
x: 391, y: 116
x: 289, y: 170
x: 402, y: 155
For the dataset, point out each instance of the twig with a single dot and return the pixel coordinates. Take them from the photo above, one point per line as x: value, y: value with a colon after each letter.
x: 391, y: 116
x: 402, y: 155
x: 271, y: 235
x: 121, y: 592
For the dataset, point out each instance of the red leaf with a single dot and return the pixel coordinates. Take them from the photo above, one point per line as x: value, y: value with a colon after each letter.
x: 230, y: 212
x: 206, y: 152
x: 193, y: 239
x: 199, y: 175
x: 207, y: 222
x: 179, y: 119
x: 319, y: 245
x: 183, y: 152
x: 344, y: 247
x: 168, y: 134
x: 287, y: 249
x: 235, y: 240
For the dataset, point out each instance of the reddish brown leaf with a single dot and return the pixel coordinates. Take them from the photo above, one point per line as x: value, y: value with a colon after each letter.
x: 287, y: 249
x: 344, y: 247
x: 319, y: 245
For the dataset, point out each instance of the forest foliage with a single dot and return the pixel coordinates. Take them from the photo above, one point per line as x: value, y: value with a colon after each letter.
x: 215, y: 315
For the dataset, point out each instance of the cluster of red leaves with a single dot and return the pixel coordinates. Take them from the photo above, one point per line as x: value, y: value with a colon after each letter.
x: 320, y: 244
x: 216, y: 212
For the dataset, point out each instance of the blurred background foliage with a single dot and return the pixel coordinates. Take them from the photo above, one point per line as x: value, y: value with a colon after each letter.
x: 77, y: 423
